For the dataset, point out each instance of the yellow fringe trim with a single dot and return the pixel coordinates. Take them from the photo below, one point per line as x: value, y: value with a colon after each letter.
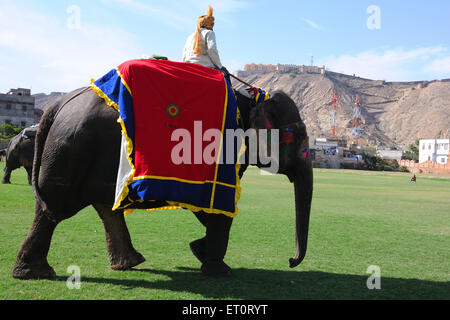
x: 100, y: 93
x: 179, y: 205
x: 111, y: 103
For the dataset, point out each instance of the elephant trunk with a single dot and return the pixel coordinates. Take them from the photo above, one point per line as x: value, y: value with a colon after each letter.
x: 303, y: 186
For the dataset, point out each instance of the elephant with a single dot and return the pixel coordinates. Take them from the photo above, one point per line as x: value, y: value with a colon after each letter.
x: 75, y: 166
x: 20, y: 153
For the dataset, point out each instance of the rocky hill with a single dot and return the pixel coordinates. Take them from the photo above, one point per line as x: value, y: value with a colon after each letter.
x: 43, y: 101
x: 393, y: 114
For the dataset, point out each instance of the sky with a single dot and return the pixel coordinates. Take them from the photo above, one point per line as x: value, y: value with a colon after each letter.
x: 59, y: 45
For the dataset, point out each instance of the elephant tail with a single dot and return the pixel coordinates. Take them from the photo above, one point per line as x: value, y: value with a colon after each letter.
x: 45, y: 124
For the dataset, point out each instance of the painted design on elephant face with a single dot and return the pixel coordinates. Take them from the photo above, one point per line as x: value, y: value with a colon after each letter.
x: 288, y: 136
x: 286, y: 139
x: 304, y: 154
x: 173, y: 110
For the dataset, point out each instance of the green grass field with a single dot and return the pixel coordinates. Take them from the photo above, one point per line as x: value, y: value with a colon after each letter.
x: 358, y: 219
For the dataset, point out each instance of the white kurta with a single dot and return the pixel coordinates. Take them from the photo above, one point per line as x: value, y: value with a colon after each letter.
x: 210, y: 55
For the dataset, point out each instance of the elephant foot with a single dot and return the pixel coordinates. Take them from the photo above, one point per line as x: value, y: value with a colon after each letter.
x: 198, y: 248
x: 216, y: 269
x: 6, y: 182
x: 26, y: 271
x: 127, y: 262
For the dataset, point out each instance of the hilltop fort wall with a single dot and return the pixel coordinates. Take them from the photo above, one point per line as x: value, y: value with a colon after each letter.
x: 254, y: 69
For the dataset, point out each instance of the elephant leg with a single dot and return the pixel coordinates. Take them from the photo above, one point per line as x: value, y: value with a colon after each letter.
x: 198, y: 247
x: 211, y: 249
x: 6, y: 176
x: 122, y: 255
x: 202, y: 217
x: 31, y: 260
x: 29, y: 173
x: 217, y: 236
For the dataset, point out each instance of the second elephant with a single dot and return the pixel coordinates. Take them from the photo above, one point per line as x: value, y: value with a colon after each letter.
x: 20, y: 153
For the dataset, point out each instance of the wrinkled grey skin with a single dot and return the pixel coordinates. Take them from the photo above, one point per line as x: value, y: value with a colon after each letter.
x: 19, y: 153
x: 75, y: 165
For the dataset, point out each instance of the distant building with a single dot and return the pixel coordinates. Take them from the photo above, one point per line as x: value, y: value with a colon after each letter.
x: 436, y: 150
x: 333, y: 153
x: 17, y: 107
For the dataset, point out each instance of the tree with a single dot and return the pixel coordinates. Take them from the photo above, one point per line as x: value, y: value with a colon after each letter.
x: 7, y: 131
x: 376, y: 163
x: 372, y: 162
x: 413, y: 152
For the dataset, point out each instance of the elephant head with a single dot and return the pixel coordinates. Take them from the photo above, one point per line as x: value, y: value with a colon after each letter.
x: 280, y: 112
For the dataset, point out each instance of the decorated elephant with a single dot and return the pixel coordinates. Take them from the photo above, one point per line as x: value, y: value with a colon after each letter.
x: 76, y: 162
x: 19, y: 153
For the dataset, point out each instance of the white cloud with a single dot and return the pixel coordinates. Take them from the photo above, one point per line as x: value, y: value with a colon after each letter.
x: 39, y: 50
x: 439, y: 66
x: 313, y: 24
x: 392, y: 64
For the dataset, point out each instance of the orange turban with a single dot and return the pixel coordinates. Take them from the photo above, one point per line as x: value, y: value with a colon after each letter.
x: 204, y: 21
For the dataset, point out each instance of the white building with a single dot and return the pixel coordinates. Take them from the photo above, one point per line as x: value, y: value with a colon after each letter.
x: 18, y: 107
x: 436, y: 150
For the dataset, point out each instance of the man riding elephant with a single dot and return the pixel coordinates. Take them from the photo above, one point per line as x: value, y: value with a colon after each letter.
x: 201, y: 47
